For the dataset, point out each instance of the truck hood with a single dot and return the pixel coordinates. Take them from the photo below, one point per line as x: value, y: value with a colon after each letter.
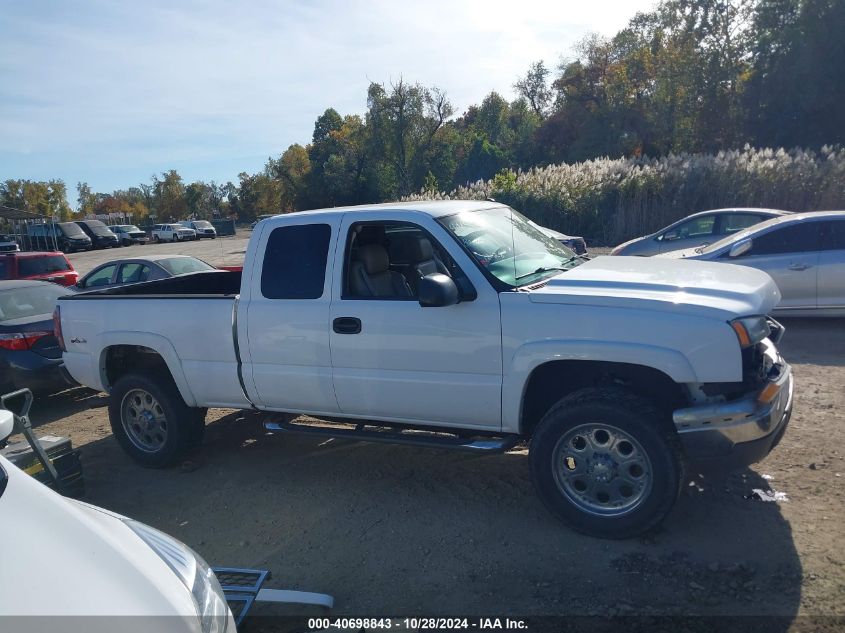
x: 669, y: 285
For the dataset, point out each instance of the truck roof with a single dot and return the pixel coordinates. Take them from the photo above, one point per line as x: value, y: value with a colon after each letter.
x: 434, y: 208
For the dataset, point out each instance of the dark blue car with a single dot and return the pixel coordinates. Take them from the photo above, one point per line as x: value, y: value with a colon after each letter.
x: 29, y: 352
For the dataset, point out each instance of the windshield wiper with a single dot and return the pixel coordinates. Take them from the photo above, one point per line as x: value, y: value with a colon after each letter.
x: 543, y: 269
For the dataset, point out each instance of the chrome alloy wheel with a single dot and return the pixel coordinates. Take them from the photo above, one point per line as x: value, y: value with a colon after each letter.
x: 602, y: 469
x: 143, y: 420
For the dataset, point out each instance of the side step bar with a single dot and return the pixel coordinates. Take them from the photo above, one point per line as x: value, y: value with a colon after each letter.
x: 484, y: 445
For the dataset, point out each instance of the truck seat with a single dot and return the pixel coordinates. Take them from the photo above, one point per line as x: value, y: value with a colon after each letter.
x: 370, y: 274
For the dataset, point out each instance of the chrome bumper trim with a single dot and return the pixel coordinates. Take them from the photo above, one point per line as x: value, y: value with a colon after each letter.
x: 739, y: 421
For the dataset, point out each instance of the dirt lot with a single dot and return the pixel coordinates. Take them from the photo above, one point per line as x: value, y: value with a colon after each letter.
x: 219, y: 252
x: 400, y: 530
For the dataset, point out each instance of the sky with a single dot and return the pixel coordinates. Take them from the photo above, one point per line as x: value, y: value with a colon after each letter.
x: 112, y: 92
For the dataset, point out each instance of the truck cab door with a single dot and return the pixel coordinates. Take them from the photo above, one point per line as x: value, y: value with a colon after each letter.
x: 395, y: 360
x: 283, y: 318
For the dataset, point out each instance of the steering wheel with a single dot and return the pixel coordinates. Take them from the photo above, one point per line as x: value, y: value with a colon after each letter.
x: 503, y: 252
x: 500, y: 253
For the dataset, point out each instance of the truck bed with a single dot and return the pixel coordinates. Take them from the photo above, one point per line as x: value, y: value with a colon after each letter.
x: 188, y: 320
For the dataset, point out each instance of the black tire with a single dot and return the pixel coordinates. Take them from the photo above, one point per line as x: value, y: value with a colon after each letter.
x: 628, y: 422
x: 197, y: 427
x: 181, y: 431
x: 155, y: 239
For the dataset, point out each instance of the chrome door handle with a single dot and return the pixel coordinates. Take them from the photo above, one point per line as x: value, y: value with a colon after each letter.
x: 799, y: 266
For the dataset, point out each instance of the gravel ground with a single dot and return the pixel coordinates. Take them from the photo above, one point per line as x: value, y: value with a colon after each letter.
x: 400, y: 530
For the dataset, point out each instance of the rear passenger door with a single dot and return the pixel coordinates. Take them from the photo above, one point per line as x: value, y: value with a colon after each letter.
x: 285, y: 350
x: 831, y: 275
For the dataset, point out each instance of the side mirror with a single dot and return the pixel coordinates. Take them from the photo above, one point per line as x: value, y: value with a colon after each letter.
x: 740, y: 248
x: 7, y: 424
x: 437, y: 290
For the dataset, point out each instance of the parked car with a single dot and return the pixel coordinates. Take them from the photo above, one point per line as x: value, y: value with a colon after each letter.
x: 64, y: 236
x: 576, y: 244
x: 8, y: 244
x: 29, y: 352
x: 46, y: 266
x: 803, y: 252
x: 129, y: 234
x: 616, y: 370
x: 696, y: 230
x: 100, y: 234
x: 172, y: 233
x: 130, y: 271
x: 203, y: 228
x: 98, y: 564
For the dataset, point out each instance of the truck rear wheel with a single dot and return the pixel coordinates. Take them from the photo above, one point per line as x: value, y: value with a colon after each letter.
x: 151, y: 421
x: 602, y: 463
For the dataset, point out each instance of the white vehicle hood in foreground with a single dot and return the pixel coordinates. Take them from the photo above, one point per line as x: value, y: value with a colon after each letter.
x: 65, y: 558
x: 695, y: 287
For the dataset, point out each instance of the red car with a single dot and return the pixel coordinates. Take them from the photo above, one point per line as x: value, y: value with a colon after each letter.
x: 52, y: 266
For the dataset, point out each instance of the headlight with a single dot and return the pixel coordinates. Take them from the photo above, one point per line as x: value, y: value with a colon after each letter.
x: 750, y: 330
x: 193, y: 571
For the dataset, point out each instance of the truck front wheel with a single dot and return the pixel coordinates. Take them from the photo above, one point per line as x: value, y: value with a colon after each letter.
x: 604, y: 465
x: 151, y: 421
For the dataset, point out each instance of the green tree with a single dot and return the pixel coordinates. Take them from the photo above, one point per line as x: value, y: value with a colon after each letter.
x: 169, y: 196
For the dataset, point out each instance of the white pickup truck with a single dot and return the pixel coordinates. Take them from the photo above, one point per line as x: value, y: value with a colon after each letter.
x: 453, y: 324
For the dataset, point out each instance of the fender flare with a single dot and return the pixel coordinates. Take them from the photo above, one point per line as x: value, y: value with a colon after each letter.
x: 532, y: 355
x: 159, y: 344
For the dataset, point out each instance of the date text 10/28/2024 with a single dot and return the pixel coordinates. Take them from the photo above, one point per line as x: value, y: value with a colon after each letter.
x: 416, y: 624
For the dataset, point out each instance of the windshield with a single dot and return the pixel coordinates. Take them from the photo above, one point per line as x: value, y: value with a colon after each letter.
x: 70, y: 229
x: 29, y: 266
x: 183, y: 265
x: 508, y: 246
x: 126, y: 228
x: 203, y: 224
x: 6, y: 238
x: 21, y: 303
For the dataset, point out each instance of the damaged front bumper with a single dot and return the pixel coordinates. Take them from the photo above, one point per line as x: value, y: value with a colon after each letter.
x: 745, y: 430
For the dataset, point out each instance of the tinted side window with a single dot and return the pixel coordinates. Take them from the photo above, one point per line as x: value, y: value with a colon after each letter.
x: 133, y: 273
x: 42, y: 265
x: 101, y: 278
x: 295, y: 262
x: 697, y: 227
x: 794, y: 238
x: 733, y: 222
x: 833, y: 235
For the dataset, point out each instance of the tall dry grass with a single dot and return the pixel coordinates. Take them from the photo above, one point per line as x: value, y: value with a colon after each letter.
x: 611, y: 200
